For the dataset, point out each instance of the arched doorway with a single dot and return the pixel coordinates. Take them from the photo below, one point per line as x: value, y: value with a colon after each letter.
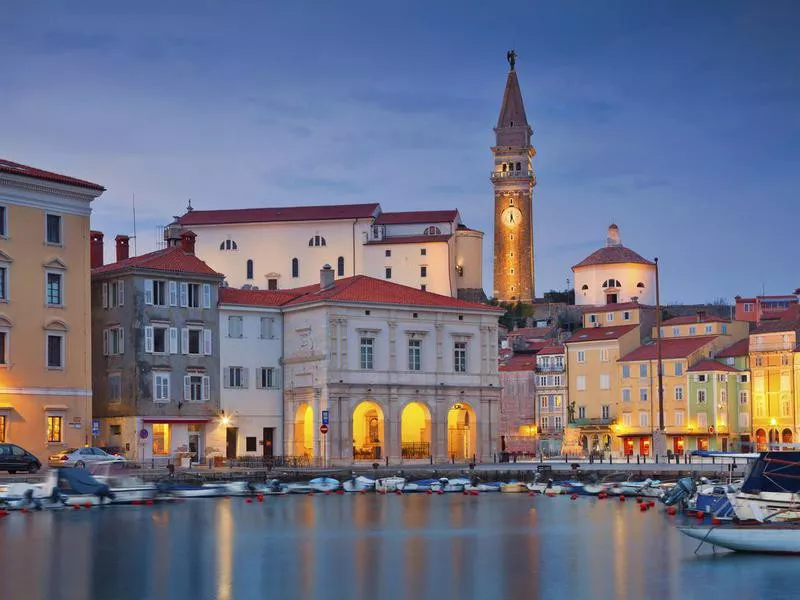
x: 415, y: 431
x: 304, y: 431
x: 462, y: 432
x: 773, y: 436
x: 761, y: 440
x: 368, y: 431
x: 786, y: 436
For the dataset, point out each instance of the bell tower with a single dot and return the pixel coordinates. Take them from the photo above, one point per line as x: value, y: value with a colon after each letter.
x: 513, y: 182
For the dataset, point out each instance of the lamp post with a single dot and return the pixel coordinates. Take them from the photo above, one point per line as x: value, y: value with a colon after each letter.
x: 660, y: 438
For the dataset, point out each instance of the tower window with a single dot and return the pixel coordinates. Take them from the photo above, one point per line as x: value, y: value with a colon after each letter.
x: 432, y: 230
x: 612, y: 283
x: 228, y: 245
x: 340, y: 266
x: 295, y: 268
x: 249, y: 268
x: 511, y: 237
x: 317, y: 240
x: 640, y: 285
x: 511, y: 202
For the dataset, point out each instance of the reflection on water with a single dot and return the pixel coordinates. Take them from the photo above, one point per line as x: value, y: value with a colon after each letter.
x: 371, y: 547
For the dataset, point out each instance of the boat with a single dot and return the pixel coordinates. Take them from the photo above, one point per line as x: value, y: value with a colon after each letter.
x: 299, y: 487
x: 489, y: 486
x: 446, y: 485
x: 684, y: 489
x: 390, y: 484
x: 422, y: 486
x: 18, y: 495
x: 771, y: 489
x: 324, y: 484
x: 188, y: 490
x: 76, y: 486
x: 513, y: 487
x: 126, y: 489
x: 648, y: 488
x: 273, y: 487
x: 545, y: 487
x: 781, y: 538
x: 359, y: 484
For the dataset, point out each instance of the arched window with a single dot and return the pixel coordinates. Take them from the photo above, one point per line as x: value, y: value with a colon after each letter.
x: 295, y: 268
x: 249, y: 268
x: 228, y: 245
x: 340, y: 266
x: 432, y: 230
x: 584, y: 287
x: 317, y: 240
x: 612, y: 283
x: 640, y: 285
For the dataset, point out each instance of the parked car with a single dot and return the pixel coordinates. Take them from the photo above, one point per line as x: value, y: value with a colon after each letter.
x: 13, y: 459
x: 79, y: 457
x: 113, y: 450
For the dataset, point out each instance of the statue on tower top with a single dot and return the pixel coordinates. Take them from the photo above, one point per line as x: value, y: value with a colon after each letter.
x: 511, y: 57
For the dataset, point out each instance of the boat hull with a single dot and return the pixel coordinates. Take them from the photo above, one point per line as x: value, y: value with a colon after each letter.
x: 757, y: 538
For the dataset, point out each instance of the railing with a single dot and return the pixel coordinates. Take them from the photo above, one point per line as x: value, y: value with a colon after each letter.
x: 411, y: 450
x: 600, y: 421
x: 550, y: 368
x: 512, y: 174
x: 551, y: 430
x: 367, y: 453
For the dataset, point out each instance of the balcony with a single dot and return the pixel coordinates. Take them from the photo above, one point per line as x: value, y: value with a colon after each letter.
x: 594, y: 422
x: 498, y: 175
x: 549, y: 368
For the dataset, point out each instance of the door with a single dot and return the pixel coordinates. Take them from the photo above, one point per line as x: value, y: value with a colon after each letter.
x: 196, y: 441
x: 231, y: 436
x: 266, y: 442
x: 724, y: 444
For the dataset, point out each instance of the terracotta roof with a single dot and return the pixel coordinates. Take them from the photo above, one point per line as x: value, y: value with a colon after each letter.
x: 594, y: 334
x: 279, y: 214
x: 410, y: 239
x: 519, y: 362
x: 255, y: 297
x: 613, y: 307
x: 7, y: 166
x: 740, y: 348
x: 788, y: 320
x: 689, y: 319
x: 551, y: 350
x: 532, y: 332
x: 417, y: 216
x: 364, y: 289
x: 670, y: 348
x: 172, y: 260
x: 512, y: 110
x: 712, y: 365
x: 612, y: 255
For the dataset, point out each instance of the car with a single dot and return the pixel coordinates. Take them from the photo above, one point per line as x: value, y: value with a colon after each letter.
x: 80, y: 457
x: 13, y: 458
x: 113, y: 450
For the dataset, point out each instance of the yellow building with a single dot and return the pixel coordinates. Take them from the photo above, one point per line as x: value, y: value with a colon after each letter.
x: 45, y: 349
x: 775, y: 379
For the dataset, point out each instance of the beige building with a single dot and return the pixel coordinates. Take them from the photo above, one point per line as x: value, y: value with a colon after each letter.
x: 45, y: 345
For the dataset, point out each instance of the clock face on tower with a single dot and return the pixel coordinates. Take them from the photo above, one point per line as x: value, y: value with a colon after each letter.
x: 511, y: 217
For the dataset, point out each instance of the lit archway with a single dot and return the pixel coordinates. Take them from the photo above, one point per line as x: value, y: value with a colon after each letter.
x: 786, y: 436
x: 761, y: 440
x: 462, y: 432
x: 368, y: 431
x: 304, y: 431
x: 415, y: 431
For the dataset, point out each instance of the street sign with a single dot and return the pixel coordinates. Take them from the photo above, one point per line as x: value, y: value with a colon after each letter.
x: 323, y: 429
x: 325, y: 417
x: 711, y: 429
x: 143, y: 433
x: 95, y: 427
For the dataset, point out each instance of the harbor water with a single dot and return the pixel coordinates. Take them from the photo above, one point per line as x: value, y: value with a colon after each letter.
x: 373, y: 547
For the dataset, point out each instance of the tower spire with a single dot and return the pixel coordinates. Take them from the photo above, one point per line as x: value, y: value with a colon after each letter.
x: 512, y: 111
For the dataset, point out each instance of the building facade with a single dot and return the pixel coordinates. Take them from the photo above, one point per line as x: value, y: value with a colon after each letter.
x: 518, y: 427
x: 45, y: 396
x: 513, y: 181
x: 155, y: 334
x: 756, y: 308
x: 551, y: 397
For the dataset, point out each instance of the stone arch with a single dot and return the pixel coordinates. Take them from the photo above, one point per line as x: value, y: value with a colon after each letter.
x: 462, y: 432
x: 761, y: 440
x: 369, y: 434
x: 415, y: 430
x: 786, y: 436
x: 304, y: 431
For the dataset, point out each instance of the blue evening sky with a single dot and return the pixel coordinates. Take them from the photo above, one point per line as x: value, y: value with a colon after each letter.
x: 677, y: 120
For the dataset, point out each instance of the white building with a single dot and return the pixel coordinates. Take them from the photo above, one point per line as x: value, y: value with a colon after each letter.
x: 614, y: 274
x: 282, y: 248
x: 401, y: 373
x: 251, y: 398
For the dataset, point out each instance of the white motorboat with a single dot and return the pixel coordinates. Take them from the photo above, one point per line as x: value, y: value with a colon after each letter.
x: 446, y: 485
x: 390, y: 484
x: 489, y: 486
x: 273, y: 487
x: 206, y: 490
x: 299, y: 487
x: 782, y: 538
x: 771, y: 490
x: 359, y: 484
x: 126, y: 490
x: 513, y: 487
x: 324, y: 484
x: 649, y: 488
x: 545, y: 487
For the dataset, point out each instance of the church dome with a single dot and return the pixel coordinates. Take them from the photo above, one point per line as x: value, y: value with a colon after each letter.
x: 613, y: 253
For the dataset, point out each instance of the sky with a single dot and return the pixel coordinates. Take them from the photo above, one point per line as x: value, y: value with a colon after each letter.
x: 679, y: 121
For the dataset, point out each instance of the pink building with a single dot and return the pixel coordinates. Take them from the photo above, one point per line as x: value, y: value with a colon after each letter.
x: 518, y: 404
x: 757, y: 308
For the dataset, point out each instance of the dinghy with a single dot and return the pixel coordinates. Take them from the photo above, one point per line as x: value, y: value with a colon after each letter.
x: 513, y: 487
x: 324, y: 484
x: 390, y: 484
x: 359, y: 484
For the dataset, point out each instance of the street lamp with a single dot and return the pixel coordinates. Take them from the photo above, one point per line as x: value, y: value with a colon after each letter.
x: 660, y: 446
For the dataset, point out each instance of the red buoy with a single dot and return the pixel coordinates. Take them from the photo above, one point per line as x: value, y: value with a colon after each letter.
x: 643, y: 507
x: 440, y: 492
x: 622, y: 498
x: 700, y: 515
x: 429, y: 492
x: 149, y: 503
x: 399, y: 492
x: 248, y: 500
x: 715, y: 521
x: 638, y: 500
x: 671, y: 511
x: 574, y: 497
x: 260, y: 497
x: 76, y: 506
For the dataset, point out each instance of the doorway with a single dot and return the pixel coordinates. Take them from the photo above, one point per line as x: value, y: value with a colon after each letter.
x: 267, y: 440
x: 196, y: 441
x: 231, y: 437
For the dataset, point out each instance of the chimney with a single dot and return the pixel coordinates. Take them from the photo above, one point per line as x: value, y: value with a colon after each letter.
x: 187, y: 241
x: 95, y: 249
x: 172, y: 233
x: 326, y: 278
x: 701, y: 314
x: 122, y: 247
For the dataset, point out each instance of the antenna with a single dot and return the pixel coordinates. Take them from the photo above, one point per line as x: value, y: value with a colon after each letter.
x: 763, y: 292
x: 133, y: 203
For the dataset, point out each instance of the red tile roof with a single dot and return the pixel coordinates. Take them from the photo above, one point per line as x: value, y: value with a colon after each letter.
x: 7, y: 166
x: 410, y: 239
x: 712, y: 365
x: 172, y: 260
x: 740, y: 348
x: 519, y: 362
x: 531, y: 332
x: 788, y: 320
x: 279, y: 214
x: 670, y: 348
x: 551, y: 350
x: 613, y: 307
x: 688, y: 319
x: 417, y: 216
x: 255, y: 297
x: 612, y: 255
x: 594, y: 334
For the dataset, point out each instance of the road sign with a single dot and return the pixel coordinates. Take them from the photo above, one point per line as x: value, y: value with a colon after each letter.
x: 143, y: 433
x: 95, y: 427
x: 325, y: 417
x: 323, y: 429
x: 711, y: 429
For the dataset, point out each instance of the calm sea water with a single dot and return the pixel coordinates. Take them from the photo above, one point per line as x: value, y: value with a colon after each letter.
x: 373, y: 547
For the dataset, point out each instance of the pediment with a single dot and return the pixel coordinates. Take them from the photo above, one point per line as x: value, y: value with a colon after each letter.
x: 56, y: 325
x: 5, y: 257
x: 5, y: 321
x: 55, y: 263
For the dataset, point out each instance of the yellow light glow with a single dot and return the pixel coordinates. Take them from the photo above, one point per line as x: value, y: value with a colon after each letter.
x: 773, y: 421
x: 225, y: 420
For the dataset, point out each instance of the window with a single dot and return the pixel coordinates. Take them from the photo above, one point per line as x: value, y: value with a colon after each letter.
x: 748, y: 307
x: 340, y: 266
x: 556, y: 379
x: 678, y: 392
x: 580, y: 383
x: 702, y: 420
x: 744, y: 420
x: 54, y: 428
x: 701, y: 378
x: 235, y: 327
x: 784, y: 360
x: 423, y: 251
x: 609, y: 317
x: 676, y: 331
x: 55, y: 290
x: 644, y: 419
x: 432, y: 230
x: 228, y: 245
x: 785, y: 408
x: 2, y: 428
x: 643, y: 370
x: 605, y: 412
x: 626, y: 371
x: 388, y: 272
x: 295, y: 268
x: 626, y: 316
x: 317, y: 240
x: 543, y: 401
x: 701, y: 396
x: 612, y: 283
x: 423, y: 287
x: 724, y: 328
x: 557, y: 401
x: 709, y: 328
x: 760, y: 409
x: 3, y: 233
x: 3, y: 283
x: 160, y: 439
x: 161, y: 387
x: 155, y: 293
x: 692, y: 330
x: 267, y: 378
x: 196, y: 341
x: 387, y: 253
x: 249, y: 268
x: 678, y: 418
x: 267, y: 328
x: 581, y: 356
x: 605, y: 382
x: 759, y: 361
x: 592, y: 318
x: 113, y: 341
x: 643, y: 394
x: 460, y: 357
x: 626, y: 419
x: 604, y: 354
x: 4, y: 347
x: 581, y: 412
x: 423, y: 271
x: 542, y: 380
x: 114, y: 388
x: 414, y: 355
x: 743, y: 397
x: 626, y: 394
x: 193, y: 295
x: 55, y: 351
x: 53, y: 234
x: 196, y: 388
x: 367, y: 348
x: 678, y: 368
x: 235, y: 377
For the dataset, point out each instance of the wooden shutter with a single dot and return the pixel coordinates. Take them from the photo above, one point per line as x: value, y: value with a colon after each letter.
x: 173, y: 340
x: 206, y: 295
x: 206, y: 387
x: 184, y: 288
x: 148, y: 292
x: 105, y: 342
x: 187, y: 387
x: 207, y: 347
x: 244, y: 377
x: 173, y: 293
x: 226, y: 377
x: 105, y: 295
x: 148, y: 339
x: 184, y: 341
x: 121, y: 340
x: 121, y: 293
